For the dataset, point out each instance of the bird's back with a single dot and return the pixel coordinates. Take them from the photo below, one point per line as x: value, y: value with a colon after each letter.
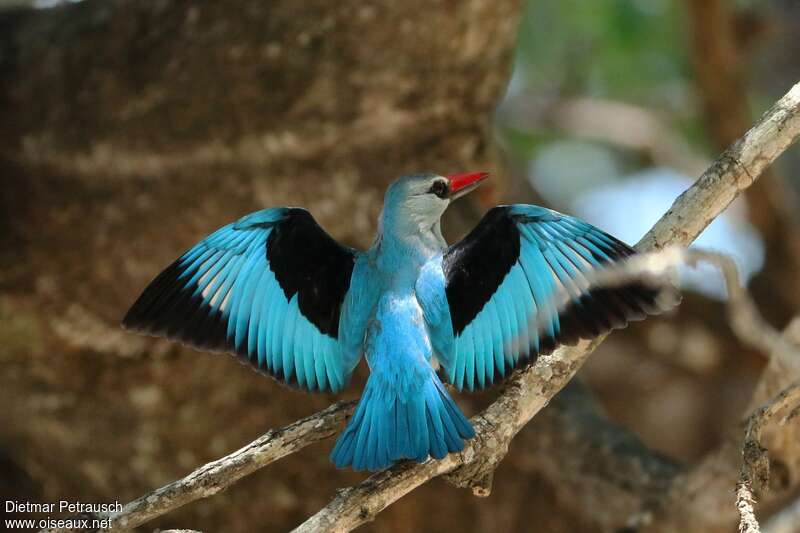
x: 405, y: 411
x: 397, y: 337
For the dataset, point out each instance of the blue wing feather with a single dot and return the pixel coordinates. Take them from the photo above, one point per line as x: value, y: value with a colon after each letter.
x: 495, y: 356
x: 469, y: 356
x: 517, y: 318
x: 225, y: 294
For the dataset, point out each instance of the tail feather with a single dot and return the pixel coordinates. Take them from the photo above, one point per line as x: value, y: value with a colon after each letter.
x: 387, y: 427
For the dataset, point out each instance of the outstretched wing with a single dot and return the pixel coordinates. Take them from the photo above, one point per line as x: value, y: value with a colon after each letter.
x: 489, y: 299
x: 270, y: 288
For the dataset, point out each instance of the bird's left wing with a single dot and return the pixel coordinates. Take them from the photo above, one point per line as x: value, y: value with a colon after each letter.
x: 489, y: 299
x: 271, y: 288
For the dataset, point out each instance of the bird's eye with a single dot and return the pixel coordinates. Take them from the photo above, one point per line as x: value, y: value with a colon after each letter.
x: 440, y: 188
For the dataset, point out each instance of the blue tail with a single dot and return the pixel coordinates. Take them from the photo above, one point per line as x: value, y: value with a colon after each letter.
x: 393, y: 423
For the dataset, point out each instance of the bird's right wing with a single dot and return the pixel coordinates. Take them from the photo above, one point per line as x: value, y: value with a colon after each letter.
x: 273, y: 288
x: 489, y: 300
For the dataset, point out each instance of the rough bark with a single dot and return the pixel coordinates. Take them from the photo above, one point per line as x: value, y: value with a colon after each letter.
x: 132, y: 128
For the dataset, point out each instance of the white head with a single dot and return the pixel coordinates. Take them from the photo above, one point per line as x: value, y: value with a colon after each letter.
x: 415, y: 203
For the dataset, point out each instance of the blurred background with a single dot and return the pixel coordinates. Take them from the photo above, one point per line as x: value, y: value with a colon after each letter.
x: 132, y: 129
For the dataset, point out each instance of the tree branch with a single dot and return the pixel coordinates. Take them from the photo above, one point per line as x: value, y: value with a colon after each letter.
x: 649, y: 476
x: 755, y: 461
x: 744, y: 503
x: 730, y: 174
x: 526, y: 393
x: 720, y: 74
x: 218, y: 475
x: 699, y: 499
x: 530, y: 390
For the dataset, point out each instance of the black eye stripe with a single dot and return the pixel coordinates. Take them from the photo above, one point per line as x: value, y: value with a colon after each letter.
x: 440, y: 188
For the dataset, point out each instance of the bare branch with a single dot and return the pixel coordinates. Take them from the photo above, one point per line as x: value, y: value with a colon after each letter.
x: 526, y: 393
x: 355, y: 505
x: 748, y: 325
x: 755, y: 462
x: 731, y: 173
x: 218, y: 475
x: 530, y: 389
x: 699, y: 498
x: 744, y: 503
x: 495, y: 429
x: 751, y: 328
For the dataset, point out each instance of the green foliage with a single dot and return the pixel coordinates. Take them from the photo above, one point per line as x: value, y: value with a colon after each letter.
x: 632, y: 50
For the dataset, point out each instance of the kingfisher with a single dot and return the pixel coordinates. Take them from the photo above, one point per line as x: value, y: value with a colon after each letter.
x: 276, y: 290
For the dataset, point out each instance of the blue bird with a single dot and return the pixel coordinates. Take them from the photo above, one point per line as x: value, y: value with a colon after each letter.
x: 275, y: 289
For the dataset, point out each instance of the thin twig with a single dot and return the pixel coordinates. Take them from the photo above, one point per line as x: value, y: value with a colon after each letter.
x: 656, y: 268
x: 699, y: 498
x: 755, y: 462
x: 744, y: 503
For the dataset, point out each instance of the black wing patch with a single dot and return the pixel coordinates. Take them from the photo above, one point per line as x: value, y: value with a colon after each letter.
x: 167, y: 309
x: 476, y: 266
x: 309, y: 262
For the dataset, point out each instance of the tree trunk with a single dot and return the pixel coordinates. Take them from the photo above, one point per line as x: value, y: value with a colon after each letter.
x: 131, y: 129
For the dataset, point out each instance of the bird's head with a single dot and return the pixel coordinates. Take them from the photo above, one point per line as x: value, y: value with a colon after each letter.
x: 417, y: 201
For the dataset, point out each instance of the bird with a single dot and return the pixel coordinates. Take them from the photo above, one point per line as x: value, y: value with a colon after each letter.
x: 276, y: 290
